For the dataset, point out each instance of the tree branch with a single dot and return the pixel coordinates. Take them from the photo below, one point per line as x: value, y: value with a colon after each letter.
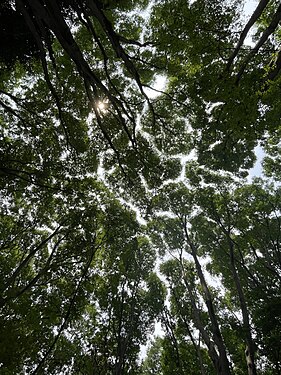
x: 267, y: 32
x: 255, y: 16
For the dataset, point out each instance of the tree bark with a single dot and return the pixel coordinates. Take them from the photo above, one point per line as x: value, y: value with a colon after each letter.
x: 257, y: 13
x: 265, y: 35
x: 250, y: 350
x: 223, y: 366
x: 196, y: 346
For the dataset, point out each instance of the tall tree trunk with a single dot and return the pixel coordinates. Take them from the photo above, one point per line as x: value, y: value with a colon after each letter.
x: 223, y: 366
x: 200, y: 326
x: 196, y: 346
x: 250, y: 349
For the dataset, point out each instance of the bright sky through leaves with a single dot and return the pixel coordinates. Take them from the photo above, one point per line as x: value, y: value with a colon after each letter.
x: 129, y: 132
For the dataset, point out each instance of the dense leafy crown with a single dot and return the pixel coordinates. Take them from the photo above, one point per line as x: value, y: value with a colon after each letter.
x: 128, y: 131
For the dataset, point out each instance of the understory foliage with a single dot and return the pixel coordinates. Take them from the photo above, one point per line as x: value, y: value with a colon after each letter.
x: 129, y: 204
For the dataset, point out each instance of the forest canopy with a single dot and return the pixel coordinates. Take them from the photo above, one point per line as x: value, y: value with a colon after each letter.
x: 128, y: 134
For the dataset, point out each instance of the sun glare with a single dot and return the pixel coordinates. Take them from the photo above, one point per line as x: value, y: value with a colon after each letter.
x: 101, y: 106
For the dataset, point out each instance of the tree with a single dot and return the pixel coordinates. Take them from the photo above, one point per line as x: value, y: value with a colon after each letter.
x: 86, y: 151
x: 81, y: 276
x: 222, y: 84
x: 235, y: 229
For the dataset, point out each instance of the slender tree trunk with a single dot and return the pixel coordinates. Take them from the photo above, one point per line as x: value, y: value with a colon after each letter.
x: 170, y: 330
x: 27, y: 260
x: 250, y: 349
x: 202, y: 370
x: 223, y: 365
x: 196, y: 346
x: 200, y: 326
x: 224, y: 368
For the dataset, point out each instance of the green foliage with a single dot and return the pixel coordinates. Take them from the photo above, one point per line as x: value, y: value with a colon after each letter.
x: 120, y: 210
